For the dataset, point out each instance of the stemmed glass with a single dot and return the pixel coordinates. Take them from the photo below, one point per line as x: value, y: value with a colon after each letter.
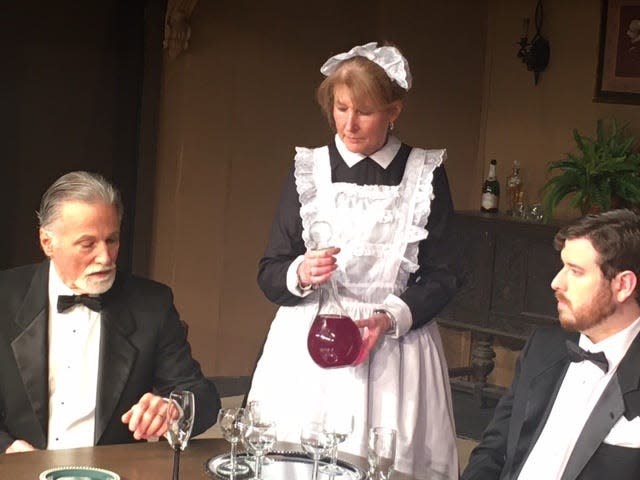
x: 315, y: 442
x: 337, y: 425
x: 231, y: 422
x: 256, y: 410
x: 381, y: 452
x: 180, y: 414
x: 258, y: 438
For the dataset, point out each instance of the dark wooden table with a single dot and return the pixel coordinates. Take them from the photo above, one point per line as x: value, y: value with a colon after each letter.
x: 140, y: 461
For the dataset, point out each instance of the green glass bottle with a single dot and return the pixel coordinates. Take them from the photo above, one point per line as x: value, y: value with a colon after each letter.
x: 490, y: 190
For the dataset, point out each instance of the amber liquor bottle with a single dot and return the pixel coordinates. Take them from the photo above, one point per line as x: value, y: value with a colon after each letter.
x: 514, y: 189
x: 490, y: 191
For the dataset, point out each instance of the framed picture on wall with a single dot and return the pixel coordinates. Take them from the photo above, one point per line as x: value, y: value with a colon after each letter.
x: 618, y: 77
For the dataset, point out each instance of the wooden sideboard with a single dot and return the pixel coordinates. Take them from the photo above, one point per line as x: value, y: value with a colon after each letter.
x: 505, y: 266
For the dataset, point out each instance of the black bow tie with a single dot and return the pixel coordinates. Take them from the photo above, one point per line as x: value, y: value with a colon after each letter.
x: 65, y: 302
x: 578, y: 354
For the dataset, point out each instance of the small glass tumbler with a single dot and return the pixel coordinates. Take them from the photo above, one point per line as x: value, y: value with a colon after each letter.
x: 535, y: 212
x: 381, y: 452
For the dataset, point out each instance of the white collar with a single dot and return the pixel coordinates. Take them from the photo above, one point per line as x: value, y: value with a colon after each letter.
x: 56, y: 288
x: 614, y: 347
x: 56, y: 285
x: 382, y: 157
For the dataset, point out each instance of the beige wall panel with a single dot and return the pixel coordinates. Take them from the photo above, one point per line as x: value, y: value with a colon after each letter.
x: 534, y: 123
x: 444, y: 42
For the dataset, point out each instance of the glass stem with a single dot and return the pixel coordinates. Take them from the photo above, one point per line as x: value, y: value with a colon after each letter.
x: 232, y: 457
x: 258, y: 467
x: 334, y: 458
x: 314, y: 475
x: 176, y: 463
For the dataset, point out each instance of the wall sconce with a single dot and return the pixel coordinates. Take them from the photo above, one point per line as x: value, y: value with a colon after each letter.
x: 534, y: 54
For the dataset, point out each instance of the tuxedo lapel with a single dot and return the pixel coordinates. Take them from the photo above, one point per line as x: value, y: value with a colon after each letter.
x: 629, y: 380
x: 603, y: 417
x: 620, y: 393
x: 30, y: 347
x: 543, y: 389
x: 117, y: 356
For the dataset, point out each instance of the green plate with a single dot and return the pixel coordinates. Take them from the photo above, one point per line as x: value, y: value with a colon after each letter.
x: 78, y: 473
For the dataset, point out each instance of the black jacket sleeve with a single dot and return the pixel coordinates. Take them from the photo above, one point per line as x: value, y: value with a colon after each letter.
x: 285, y: 245
x: 176, y: 369
x: 5, y: 438
x: 487, y: 460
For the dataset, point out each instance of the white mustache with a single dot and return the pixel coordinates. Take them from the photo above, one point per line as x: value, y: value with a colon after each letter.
x: 100, y: 269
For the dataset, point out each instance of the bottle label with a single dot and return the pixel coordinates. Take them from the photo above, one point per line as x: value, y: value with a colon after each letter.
x: 489, y: 201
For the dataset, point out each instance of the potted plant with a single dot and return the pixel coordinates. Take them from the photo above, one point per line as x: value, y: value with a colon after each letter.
x: 604, y: 174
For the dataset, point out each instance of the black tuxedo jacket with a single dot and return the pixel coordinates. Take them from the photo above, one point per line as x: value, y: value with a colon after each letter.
x: 522, y: 412
x: 143, y: 348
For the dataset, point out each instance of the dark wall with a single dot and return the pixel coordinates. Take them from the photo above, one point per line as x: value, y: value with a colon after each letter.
x: 71, y: 98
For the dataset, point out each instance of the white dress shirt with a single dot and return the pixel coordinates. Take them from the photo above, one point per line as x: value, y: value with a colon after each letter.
x: 74, y: 348
x: 581, y: 389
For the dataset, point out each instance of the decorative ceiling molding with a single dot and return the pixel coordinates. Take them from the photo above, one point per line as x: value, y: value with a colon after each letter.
x: 177, y: 30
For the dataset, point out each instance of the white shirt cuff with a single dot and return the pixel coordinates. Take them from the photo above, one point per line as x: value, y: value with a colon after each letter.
x: 292, y: 279
x: 400, y: 311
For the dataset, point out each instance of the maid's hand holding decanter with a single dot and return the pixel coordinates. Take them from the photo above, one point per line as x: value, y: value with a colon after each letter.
x: 334, y: 340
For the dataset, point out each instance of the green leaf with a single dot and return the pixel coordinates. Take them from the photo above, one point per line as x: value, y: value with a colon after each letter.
x: 602, y: 168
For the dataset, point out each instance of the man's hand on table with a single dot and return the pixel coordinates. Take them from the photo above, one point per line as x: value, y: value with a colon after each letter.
x: 147, y: 418
x: 19, y: 446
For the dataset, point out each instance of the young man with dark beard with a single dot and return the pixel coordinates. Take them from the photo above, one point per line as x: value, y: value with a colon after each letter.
x: 572, y: 411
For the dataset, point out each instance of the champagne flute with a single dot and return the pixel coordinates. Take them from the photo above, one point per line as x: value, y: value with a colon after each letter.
x: 315, y: 442
x: 337, y: 425
x: 259, y: 439
x: 180, y: 414
x: 232, y: 422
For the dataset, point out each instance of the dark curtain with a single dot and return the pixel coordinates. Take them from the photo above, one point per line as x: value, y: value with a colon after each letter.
x: 71, y: 95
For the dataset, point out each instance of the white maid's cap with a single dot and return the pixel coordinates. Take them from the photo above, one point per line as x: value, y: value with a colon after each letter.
x: 389, y: 58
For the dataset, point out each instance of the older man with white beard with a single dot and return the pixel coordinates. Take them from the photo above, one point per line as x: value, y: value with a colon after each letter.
x: 88, y: 353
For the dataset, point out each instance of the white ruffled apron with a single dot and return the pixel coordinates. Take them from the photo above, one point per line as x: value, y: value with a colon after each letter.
x: 404, y: 383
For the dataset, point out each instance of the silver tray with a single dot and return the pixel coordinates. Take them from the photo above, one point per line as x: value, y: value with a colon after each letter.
x: 286, y: 465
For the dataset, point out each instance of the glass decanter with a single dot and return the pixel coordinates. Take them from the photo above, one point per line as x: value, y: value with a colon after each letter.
x: 334, y: 340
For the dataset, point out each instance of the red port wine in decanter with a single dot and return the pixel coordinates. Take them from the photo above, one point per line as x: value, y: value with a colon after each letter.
x: 334, y: 340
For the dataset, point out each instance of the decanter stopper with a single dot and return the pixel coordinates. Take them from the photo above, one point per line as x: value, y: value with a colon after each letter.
x: 320, y: 234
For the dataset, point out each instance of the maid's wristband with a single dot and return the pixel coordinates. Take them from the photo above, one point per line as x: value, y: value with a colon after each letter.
x: 305, y: 289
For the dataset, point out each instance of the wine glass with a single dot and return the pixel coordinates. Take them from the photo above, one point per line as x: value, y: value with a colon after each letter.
x: 258, y: 438
x: 337, y: 425
x: 315, y: 442
x: 256, y: 411
x: 180, y: 414
x: 231, y: 422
